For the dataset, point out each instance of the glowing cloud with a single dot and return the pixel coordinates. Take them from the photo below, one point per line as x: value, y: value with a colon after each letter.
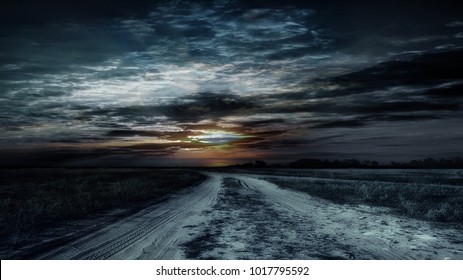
x: 217, y: 137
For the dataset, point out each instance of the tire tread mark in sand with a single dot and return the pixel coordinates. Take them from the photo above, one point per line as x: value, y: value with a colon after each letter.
x: 245, y: 225
x: 107, y: 249
x: 120, y: 237
x: 111, y: 247
x: 362, y: 250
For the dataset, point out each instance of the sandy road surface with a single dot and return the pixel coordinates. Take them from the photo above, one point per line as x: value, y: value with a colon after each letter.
x: 331, y: 231
x: 153, y: 233
x: 233, y: 216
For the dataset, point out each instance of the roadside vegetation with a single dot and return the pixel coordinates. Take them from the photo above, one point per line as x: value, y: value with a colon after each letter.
x: 32, y: 199
x: 453, y: 177
x: 429, y: 199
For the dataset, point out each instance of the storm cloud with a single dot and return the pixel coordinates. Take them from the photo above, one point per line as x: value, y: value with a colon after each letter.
x: 275, y: 80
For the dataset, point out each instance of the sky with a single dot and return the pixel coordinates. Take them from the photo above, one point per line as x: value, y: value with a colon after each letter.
x: 211, y: 83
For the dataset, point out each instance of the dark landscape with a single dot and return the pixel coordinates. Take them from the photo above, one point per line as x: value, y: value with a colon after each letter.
x: 232, y: 213
x: 231, y: 129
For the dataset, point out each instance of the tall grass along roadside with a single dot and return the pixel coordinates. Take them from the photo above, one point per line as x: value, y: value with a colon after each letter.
x: 31, y: 199
x: 452, y: 177
x: 432, y: 202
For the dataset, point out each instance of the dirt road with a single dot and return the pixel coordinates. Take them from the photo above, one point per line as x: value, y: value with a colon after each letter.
x: 155, y: 233
x: 233, y: 216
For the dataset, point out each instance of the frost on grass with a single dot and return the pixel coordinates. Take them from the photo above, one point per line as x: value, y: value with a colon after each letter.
x: 33, y: 200
x: 434, y: 195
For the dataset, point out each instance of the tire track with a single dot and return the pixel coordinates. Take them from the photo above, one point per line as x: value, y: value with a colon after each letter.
x: 245, y: 224
x: 249, y: 218
x: 111, y: 247
x: 306, y: 205
x: 134, y: 236
x: 372, y: 232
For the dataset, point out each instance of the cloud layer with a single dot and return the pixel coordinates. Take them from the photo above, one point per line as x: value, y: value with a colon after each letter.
x: 145, y: 81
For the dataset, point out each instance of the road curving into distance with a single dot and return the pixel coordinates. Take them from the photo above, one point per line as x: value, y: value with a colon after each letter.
x: 250, y: 218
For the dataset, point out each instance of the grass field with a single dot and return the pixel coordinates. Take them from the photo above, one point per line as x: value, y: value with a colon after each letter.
x: 434, y: 195
x: 45, y: 209
x: 453, y: 177
x: 32, y: 199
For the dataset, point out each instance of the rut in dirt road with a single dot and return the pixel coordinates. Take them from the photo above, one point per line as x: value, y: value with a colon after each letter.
x: 245, y: 225
x: 255, y: 219
x: 153, y: 233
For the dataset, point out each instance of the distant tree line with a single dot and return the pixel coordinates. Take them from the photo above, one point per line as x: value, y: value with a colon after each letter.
x: 456, y: 162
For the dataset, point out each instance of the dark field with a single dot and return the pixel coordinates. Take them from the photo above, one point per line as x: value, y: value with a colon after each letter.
x: 433, y: 195
x: 233, y: 214
x: 33, y: 199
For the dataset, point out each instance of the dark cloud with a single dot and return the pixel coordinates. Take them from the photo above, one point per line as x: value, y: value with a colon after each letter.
x: 187, y: 109
x: 286, y: 74
x: 420, y: 88
x: 363, y: 105
x: 401, y: 117
x: 340, y: 123
x: 30, y: 11
x: 272, y: 144
x: 368, y: 120
x: 449, y: 91
x: 167, y: 135
x: 292, y: 53
x: 77, y: 141
x: 407, y: 106
x: 132, y: 133
x: 426, y: 69
x: 262, y: 123
x: 206, y: 105
x: 167, y: 148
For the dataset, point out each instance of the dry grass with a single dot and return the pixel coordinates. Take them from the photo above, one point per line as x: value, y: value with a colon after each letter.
x: 453, y: 177
x: 32, y: 199
x: 428, y: 201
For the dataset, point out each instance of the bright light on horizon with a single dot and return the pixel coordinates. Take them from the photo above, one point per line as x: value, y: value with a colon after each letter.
x: 217, y: 137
